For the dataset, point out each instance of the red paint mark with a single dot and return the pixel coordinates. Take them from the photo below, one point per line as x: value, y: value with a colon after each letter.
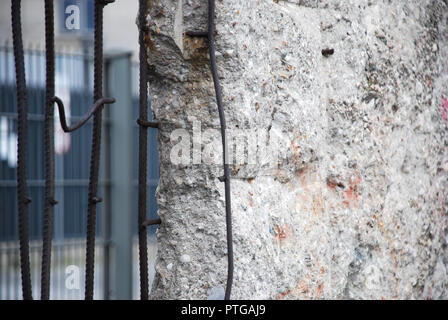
x: 283, y: 232
x: 319, y: 290
x: 282, y: 295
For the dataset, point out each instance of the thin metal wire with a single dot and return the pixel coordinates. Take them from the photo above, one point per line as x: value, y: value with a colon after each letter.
x: 142, y: 156
x: 222, y: 119
x: 49, y: 151
x: 22, y: 198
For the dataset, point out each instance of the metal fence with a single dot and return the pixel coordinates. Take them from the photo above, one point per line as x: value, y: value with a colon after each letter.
x: 72, y: 150
x: 74, y: 76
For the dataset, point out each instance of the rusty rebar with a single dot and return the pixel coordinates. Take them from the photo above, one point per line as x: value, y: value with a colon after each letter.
x: 148, y: 124
x: 95, y: 107
x: 22, y: 198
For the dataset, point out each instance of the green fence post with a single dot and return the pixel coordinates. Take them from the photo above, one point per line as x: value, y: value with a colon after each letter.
x: 119, y: 217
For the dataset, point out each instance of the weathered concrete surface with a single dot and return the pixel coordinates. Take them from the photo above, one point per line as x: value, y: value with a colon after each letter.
x: 356, y: 207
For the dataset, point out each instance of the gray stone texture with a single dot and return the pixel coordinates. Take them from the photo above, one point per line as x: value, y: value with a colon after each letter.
x: 356, y: 206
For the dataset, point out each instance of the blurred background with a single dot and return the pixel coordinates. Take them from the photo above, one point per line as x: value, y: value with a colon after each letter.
x: 116, y: 260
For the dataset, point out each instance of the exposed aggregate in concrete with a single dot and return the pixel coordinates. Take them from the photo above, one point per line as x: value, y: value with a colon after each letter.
x: 356, y: 207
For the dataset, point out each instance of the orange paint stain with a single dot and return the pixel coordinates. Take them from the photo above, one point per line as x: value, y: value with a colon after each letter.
x: 283, y: 232
x: 319, y: 290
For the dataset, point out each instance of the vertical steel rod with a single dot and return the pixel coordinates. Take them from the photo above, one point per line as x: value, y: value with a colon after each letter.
x: 222, y: 119
x: 210, y: 35
x: 49, y: 150
x: 22, y: 199
x: 142, y: 161
x: 96, y: 149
